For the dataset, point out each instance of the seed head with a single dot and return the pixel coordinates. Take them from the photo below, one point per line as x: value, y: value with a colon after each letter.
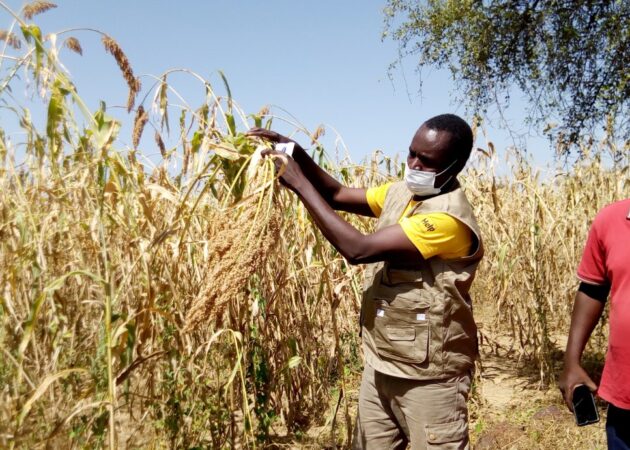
x: 263, y: 111
x: 319, y: 132
x: 73, y: 44
x: 10, y: 39
x: 111, y: 46
x: 239, y: 251
x: 160, y: 144
x: 37, y: 7
x: 138, y: 125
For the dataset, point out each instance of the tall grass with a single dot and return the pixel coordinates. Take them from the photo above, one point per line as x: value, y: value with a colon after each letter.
x: 535, y: 228
x: 187, y: 300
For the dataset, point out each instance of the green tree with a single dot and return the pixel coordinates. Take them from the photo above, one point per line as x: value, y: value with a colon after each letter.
x: 569, y: 57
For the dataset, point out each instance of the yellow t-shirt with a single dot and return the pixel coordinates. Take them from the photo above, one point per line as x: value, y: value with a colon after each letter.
x: 434, y: 234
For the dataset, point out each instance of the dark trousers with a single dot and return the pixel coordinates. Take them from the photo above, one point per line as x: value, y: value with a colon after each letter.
x: 618, y: 428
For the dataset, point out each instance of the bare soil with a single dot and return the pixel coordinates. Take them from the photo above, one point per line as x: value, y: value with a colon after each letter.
x: 509, y: 409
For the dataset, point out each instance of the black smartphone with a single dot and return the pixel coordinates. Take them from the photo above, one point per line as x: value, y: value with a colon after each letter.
x: 584, y: 407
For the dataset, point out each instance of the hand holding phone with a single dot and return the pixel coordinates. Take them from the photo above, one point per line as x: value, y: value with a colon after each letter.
x: 584, y: 407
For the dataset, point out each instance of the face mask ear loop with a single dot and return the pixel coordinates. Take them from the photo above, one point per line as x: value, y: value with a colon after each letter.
x: 449, y: 178
x: 444, y: 184
x: 449, y: 166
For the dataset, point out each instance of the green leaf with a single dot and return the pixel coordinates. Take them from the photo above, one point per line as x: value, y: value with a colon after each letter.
x: 229, y: 92
x: 105, y: 129
x: 231, y: 124
x: 164, y: 103
x: 34, y: 33
x: 196, y: 141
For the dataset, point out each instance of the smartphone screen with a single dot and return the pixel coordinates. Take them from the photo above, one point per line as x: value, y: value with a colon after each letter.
x: 584, y: 407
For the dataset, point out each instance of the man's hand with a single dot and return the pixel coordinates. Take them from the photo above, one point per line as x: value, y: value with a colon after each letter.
x: 288, y: 170
x: 573, y: 375
x: 586, y: 313
x: 271, y: 136
x: 302, y: 167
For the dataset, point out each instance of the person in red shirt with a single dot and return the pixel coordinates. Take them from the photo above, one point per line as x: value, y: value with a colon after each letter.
x: 603, y: 270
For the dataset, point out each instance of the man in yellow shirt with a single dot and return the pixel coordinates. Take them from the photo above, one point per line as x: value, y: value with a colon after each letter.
x: 433, y: 234
x: 419, y: 336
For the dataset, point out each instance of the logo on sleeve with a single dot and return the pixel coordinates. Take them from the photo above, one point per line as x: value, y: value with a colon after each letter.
x: 428, y: 225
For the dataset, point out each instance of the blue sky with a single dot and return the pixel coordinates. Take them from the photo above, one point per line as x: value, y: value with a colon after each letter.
x: 324, y: 62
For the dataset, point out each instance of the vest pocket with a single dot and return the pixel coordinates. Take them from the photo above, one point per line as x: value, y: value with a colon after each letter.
x: 401, y: 334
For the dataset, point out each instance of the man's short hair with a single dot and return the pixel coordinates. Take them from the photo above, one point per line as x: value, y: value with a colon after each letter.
x: 461, y: 135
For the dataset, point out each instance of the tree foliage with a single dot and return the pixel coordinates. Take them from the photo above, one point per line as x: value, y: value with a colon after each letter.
x: 569, y: 57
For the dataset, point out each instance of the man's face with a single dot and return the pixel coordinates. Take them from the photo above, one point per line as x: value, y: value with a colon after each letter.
x: 429, y: 151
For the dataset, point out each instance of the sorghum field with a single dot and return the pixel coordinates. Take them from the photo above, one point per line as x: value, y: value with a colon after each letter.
x: 160, y: 289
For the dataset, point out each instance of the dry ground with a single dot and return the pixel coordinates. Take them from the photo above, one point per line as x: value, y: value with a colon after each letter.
x: 514, y: 412
x: 509, y: 410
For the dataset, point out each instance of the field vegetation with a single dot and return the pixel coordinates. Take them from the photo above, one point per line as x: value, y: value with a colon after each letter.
x: 187, y: 301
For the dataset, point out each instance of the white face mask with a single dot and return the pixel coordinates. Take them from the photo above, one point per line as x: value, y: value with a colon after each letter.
x: 422, y: 183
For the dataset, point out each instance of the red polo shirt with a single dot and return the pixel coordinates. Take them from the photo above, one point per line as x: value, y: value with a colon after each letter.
x: 606, y: 260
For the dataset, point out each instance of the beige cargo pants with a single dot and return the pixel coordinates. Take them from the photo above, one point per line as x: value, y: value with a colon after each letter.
x: 394, y: 412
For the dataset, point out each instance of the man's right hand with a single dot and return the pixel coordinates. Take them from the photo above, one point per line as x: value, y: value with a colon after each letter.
x: 573, y: 375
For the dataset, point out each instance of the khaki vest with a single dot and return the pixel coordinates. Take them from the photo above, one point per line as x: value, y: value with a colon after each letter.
x: 416, y: 319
